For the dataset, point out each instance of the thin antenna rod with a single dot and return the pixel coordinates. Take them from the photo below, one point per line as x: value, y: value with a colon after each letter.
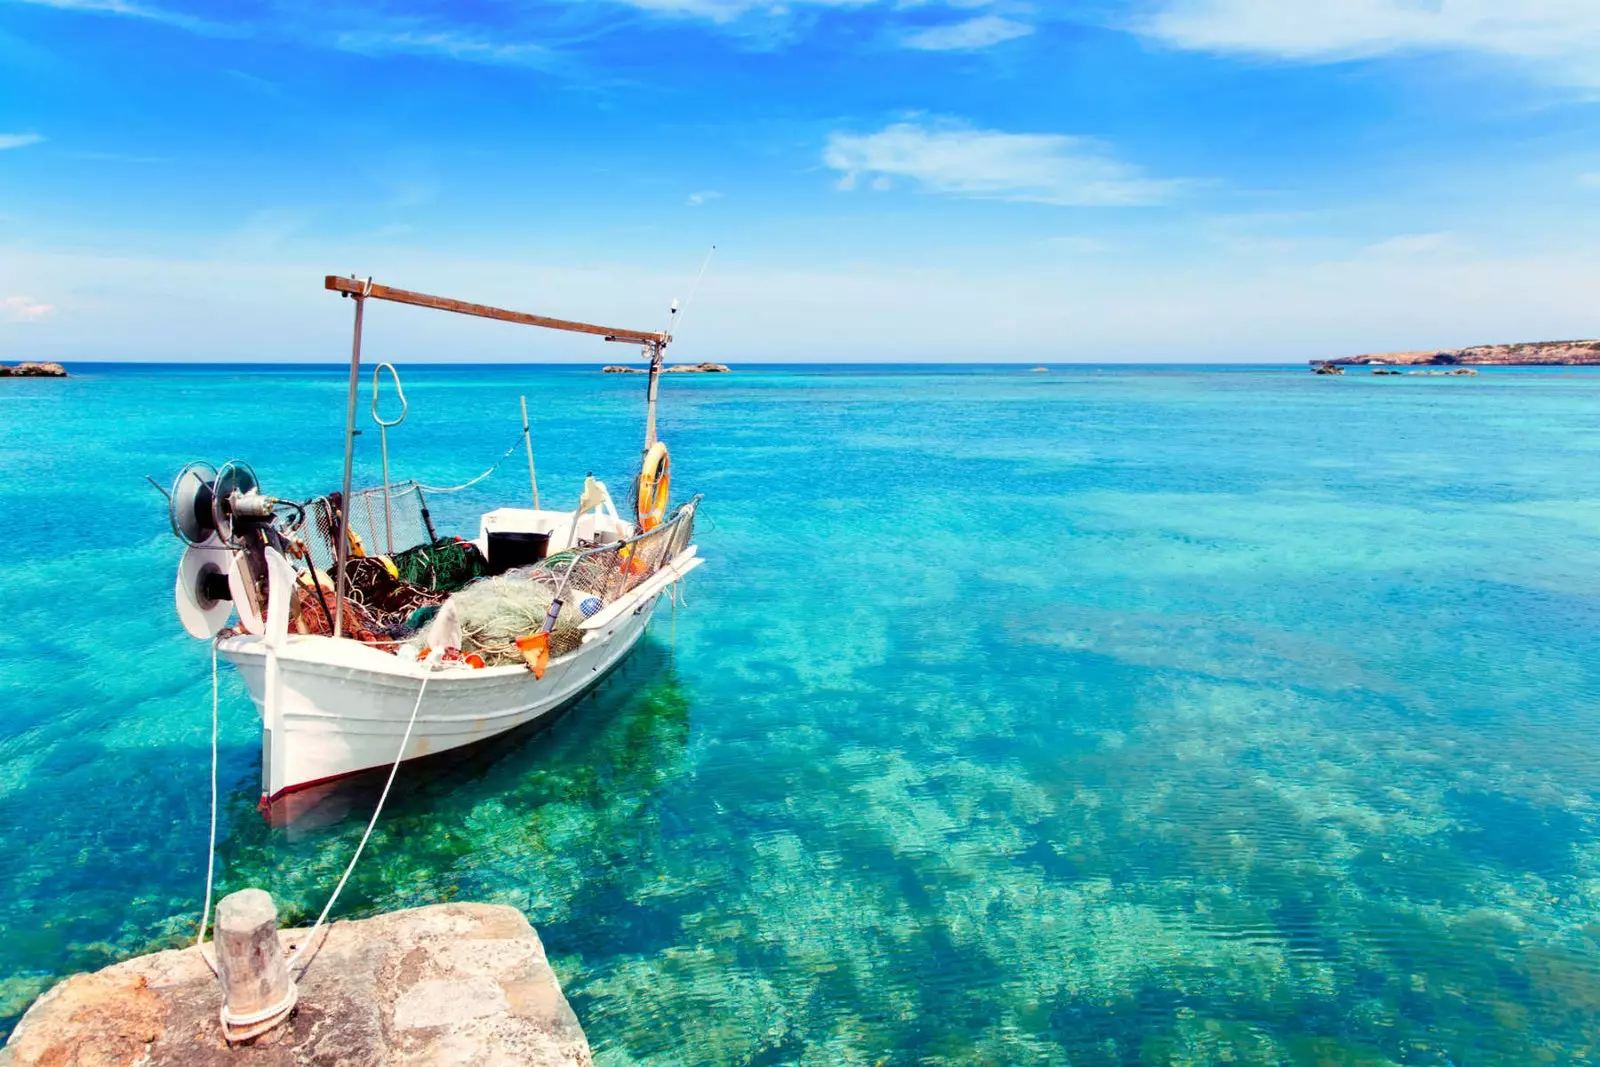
x: 693, y: 289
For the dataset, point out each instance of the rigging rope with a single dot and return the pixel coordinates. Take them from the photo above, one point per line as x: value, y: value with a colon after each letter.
x: 475, y: 481
x: 372, y: 822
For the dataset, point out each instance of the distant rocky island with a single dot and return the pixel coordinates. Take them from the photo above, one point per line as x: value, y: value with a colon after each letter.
x: 680, y: 368
x: 33, y: 370
x: 1534, y: 354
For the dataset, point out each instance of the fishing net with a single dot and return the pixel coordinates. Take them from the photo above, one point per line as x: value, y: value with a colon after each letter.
x: 375, y: 529
x: 444, y: 566
x: 493, y: 612
x: 392, y: 598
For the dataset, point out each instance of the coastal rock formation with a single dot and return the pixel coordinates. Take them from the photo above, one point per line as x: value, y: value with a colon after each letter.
x: 34, y: 370
x: 443, y: 985
x: 1537, y: 354
x: 680, y: 368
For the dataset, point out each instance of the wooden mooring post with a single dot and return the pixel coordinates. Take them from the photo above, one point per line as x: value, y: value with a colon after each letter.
x: 257, y: 991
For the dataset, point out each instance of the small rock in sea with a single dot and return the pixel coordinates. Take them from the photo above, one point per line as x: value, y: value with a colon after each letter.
x: 34, y: 370
x: 1326, y: 368
x: 1041, y: 370
x: 698, y: 368
x: 680, y: 368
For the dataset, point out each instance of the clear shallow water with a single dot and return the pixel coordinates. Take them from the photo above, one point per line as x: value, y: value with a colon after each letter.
x: 1113, y: 716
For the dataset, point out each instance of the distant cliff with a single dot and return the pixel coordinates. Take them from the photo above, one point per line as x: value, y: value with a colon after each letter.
x: 1535, y: 354
x: 34, y: 370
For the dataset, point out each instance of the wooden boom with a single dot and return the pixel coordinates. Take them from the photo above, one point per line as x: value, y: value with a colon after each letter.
x: 357, y: 287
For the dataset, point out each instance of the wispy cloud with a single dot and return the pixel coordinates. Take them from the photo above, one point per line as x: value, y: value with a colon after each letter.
x: 359, y: 31
x: 24, y: 309
x: 18, y: 140
x: 731, y: 10
x: 984, y: 31
x: 959, y: 160
x: 1557, y: 39
x: 1417, y: 244
x: 124, y: 9
x: 119, y: 157
x: 450, y: 44
x: 704, y: 196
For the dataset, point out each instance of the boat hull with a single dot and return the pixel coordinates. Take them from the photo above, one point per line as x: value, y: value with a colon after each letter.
x: 332, y: 708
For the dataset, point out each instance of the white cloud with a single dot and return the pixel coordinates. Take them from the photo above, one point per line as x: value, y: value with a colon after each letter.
x: 1557, y: 39
x: 731, y: 10
x: 140, y: 11
x: 704, y: 196
x: 24, y: 309
x: 376, y: 35
x: 984, y: 31
x: 18, y: 140
x: 448, y: 43
x: 1417, y: 244
x: 1043, y: 168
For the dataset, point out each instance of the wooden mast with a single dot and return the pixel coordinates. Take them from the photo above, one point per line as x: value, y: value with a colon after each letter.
x: 369, y: 289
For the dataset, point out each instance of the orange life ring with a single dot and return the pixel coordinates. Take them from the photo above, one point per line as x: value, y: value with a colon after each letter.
x: 655, y: 484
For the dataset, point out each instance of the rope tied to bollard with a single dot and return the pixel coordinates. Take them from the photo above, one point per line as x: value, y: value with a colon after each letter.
x: 242, y: 1026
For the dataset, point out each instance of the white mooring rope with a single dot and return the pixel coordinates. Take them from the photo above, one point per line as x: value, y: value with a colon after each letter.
x: 211, y: 841
x: 372, y: 822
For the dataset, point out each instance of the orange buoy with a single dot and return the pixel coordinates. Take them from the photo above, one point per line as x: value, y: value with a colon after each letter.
x: 655, y: 486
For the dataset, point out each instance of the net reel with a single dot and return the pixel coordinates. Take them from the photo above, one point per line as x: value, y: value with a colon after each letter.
x: 227, y: 524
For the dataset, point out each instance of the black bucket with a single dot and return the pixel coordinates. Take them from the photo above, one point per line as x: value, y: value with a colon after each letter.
x: 508, y: 550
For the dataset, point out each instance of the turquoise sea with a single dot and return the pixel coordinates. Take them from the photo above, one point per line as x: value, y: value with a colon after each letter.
x: 1109, y: 716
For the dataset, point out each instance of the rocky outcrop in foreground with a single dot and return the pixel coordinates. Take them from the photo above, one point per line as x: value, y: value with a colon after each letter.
x: 1537, y: 354
x: 34, y: 370
x: 681, y: 368
x: 444, y: 985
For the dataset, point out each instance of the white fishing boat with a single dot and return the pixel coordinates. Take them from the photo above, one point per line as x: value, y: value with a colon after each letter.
x: 417, y: 644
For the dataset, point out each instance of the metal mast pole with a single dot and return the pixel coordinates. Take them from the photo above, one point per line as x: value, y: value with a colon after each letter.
x: 350, y: 431
x: 650, y: 406
x: 527, y: 442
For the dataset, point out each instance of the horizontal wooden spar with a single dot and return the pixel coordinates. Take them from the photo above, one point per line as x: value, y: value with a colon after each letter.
x: 357, y: 287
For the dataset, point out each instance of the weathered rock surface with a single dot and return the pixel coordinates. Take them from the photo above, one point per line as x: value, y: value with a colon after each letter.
x: 437, y: 986
x: 679, y: 368
x: 1536, y: 354
x: 34, y: 370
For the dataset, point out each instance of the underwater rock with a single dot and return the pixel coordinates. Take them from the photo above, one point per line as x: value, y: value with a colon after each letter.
x: 447, y: 984
x: 34, y: 370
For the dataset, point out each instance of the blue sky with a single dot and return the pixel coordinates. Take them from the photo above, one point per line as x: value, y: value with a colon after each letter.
x: 966, y: 179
